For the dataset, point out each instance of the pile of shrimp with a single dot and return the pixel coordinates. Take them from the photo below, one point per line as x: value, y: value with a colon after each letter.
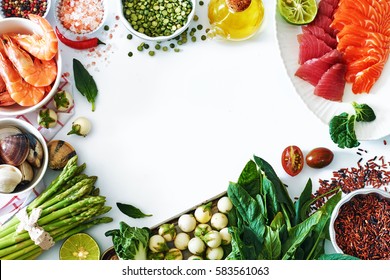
x: 27, y: 65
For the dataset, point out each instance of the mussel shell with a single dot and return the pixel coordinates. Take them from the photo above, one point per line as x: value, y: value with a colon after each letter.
x: 60, y: 152
x: 35, y: 154
x: 14, y: 149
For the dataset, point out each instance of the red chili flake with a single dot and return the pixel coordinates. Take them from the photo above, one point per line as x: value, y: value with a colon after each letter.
x: 362, y: 227
x: 384, y: 142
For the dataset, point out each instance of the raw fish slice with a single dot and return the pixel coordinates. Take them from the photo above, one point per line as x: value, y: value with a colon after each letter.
x: 325, y: 9
x: 365, y: 8
x: 367, y: 78
x: 312, y: 70
x: 311, y: 47
x: 331, y: 85
x: 320, y: 34
x: 333, y: 3
x: 325, y: 23
x: 363, y: 33
x: 357, y: 41
x: 353, y: 53
x: 358, y: 66
x: 343, y: 17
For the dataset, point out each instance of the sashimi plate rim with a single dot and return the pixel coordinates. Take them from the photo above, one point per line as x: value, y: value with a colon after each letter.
x: 325, y: 110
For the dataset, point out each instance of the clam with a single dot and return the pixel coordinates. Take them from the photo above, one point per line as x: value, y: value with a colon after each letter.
x: 35, y: 154
x: 59, y: 153
x: 8, y: 131
x: 14, y: 149
x: 27, y: 172
x: 10, y: 177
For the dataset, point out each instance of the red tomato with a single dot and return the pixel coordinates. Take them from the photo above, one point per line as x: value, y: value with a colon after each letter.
x: 292, y: 160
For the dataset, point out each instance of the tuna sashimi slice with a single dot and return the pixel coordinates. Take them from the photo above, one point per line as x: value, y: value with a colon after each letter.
x: 333, y: 3
x: 311, y: 47
x: 320, y: 34
x: 325, y: 9
x: 331, y: 85
x: 325, y: 23
x: 313, y: 69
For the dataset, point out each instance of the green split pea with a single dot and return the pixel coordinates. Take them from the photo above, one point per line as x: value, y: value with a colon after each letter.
x: 157, y: 17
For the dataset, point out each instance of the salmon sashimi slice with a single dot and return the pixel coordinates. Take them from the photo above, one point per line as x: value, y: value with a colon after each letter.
x: 365, y: 8
x: 353, y: 53
x: 332, y: 83
x: 343, y: 17
x: 311, y: 47
x: 366, y: 79
x: 358, y: 66
x: 321, y: 35
x: 313, y: 69
x: 352, y: 39
x: 381, y: 38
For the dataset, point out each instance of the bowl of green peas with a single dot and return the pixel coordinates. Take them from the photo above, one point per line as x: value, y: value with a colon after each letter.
x: 157, y: 20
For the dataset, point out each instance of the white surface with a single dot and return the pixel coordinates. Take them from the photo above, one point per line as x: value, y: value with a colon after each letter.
x: 171, y: 131
x: 325, y: 109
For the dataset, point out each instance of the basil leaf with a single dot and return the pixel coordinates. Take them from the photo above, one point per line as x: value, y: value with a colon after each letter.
x: 250, y: 179
x: 84, y: 82
x: 342, y: 131
x: 364, y: 113
x: 131, y: 211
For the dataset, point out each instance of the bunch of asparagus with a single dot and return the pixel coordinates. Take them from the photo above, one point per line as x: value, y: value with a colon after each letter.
x: 70, y: 204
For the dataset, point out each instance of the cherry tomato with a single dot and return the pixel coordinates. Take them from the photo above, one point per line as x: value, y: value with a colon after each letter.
x: 319, y: 157
x: 292, y: 160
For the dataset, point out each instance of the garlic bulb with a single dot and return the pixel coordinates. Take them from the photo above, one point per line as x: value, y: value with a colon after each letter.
x: 10, y: 177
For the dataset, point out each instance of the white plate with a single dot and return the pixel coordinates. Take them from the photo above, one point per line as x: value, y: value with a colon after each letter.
x: 324, y: 109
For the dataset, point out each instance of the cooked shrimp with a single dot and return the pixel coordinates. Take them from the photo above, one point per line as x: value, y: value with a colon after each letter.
x: 5, y: 99
x: 44, y: 46
x: 38, y: 73
x: 20, y: 91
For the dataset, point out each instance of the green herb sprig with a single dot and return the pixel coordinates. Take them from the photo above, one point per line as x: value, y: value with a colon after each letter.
x: 131, y: 211
x: 84, y: 82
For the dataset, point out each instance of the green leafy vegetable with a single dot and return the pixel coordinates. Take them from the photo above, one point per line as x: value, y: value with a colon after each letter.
x: 131, y: 211
x: 84, y: 82
x: 364, y: 113
x: 337, y: 257
x: 342, y: 131
x: 130, y: 243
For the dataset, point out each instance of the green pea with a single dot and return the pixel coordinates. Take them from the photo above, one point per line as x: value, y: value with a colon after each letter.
x: 151, y: 53
x: 130, y: 54
x: 129, y: 36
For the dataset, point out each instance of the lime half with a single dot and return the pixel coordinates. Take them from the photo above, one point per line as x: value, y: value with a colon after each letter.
x: 298, y: 11
x: 80, y: 246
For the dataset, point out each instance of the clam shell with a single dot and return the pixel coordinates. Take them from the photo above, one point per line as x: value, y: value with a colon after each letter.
x: 14, y: 149
x: 59, y: 153
x: 27, y: 172
x: 8, y: 131
x: 35, y: 154
x: 10, y: 177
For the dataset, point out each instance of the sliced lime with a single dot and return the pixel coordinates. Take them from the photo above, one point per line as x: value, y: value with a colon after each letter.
x: 298, y: 11
x: 80, y: 246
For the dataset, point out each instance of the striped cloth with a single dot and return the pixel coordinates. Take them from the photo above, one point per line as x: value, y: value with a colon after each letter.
x: 9, y: 205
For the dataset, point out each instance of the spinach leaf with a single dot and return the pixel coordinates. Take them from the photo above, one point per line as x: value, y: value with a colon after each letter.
x: 298, y: 234
x: 364, y: 113
x: 248, y: 208
x: 272, y: 247
x: 280, y: 190
x: 250, y: 179
x: 84, y: 82
x: 131, y: 211
x: 305, y: 196
x: 237, y: 245
x: 269, y: 196
x: 336, y: 257
x: 342, y: 131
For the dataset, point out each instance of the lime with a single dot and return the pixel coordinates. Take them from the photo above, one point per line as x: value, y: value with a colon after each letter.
x: 80, y: 246
x: 298, y: 11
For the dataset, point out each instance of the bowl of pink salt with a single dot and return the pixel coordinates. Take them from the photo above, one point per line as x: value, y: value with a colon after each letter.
x: 80, y: 17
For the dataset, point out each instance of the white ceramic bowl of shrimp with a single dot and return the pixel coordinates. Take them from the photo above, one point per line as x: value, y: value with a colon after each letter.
x: 26, y: 26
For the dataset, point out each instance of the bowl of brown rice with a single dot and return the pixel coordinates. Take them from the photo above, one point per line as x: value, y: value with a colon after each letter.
x: 359, y: 224
x: 80, y: 17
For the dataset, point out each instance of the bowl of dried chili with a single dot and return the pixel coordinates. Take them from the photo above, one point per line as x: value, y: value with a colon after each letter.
x: 359, y: 224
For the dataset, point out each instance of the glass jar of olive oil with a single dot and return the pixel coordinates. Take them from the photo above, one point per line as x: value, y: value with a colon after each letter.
x: 235, y: 19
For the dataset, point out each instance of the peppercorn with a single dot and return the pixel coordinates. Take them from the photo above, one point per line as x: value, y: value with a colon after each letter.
x: 21, y: 8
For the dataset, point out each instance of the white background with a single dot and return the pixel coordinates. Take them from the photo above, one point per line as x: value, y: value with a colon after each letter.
x: 171, y: 131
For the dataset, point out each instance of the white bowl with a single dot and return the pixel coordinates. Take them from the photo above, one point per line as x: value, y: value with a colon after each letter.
x: 344, y: 200
x: 22, y: 25
x: 38, y: 173
x: 44, y: 15
x: 157, y: 38
x: 75, y: 35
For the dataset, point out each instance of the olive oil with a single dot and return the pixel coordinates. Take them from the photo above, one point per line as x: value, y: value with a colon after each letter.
x: 235, y: 19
